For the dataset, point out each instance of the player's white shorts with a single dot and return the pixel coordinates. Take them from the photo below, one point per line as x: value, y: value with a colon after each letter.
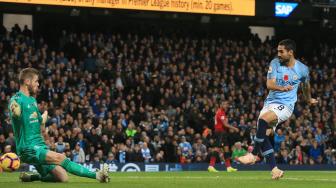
x: 282, y: 111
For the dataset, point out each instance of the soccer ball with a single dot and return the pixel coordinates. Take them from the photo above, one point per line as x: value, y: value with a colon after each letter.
x: 9, y: 162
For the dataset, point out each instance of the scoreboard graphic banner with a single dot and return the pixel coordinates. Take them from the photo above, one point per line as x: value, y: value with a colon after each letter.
x: 224, y: 7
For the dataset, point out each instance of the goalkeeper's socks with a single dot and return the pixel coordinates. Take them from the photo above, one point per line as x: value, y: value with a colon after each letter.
x: 260, y: 137
x: 77, y: 169
x: 268, y: 152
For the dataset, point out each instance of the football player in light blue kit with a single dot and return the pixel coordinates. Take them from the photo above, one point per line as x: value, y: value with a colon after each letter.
x: 284, y: 76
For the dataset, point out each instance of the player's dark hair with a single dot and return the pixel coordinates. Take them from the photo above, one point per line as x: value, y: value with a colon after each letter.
x: 27, y: 73
x: 289, y: 44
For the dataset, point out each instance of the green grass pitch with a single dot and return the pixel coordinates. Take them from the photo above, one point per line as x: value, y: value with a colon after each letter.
x: 250, y: 179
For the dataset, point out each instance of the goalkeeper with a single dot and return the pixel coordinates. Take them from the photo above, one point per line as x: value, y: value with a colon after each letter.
x: 27, y: 123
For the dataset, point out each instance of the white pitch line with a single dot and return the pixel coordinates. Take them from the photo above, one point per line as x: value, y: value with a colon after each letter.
x: 217, y: 177
x: 309, y: 179
x: 212, y: 177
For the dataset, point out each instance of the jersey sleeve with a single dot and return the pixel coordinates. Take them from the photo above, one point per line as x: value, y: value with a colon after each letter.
x: 15, y: 107
x: 271, y: 73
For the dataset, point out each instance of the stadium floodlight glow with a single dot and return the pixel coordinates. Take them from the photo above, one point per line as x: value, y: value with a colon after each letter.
x: 284, y: 9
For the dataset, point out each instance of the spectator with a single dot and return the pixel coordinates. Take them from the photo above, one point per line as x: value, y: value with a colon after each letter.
x: 238, y: 151
x: 130, y: 131
x: 60, y: 145
x: 11, y: 140
x: 78, y: 154
x: 110, y: 159
x: 8, y: 149
x: 278, y: 139
x: 186, y: 150
x: 283, y: 158
x: 146, y: 153
x: 2, y: 143
x: 122, y: 153
x: 136, y: 154
x: 315, y: 152
x: 297, y: 156
x: 201, y: 149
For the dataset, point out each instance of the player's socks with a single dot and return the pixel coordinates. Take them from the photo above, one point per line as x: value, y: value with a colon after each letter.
x: 212, y: 160
x: 77, y: 169
x: 227, y: 162
x: 227, y: 159
x: 261, y: 134
x: 268, y: 152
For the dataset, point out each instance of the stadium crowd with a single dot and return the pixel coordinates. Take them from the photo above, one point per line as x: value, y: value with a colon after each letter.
x: 152, y: 98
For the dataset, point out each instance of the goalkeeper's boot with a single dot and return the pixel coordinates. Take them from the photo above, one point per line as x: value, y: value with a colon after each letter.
x: 212, y: 169
x: 25, y: 177
x: 230, y: 169
x: 277, y: 173
x: 248, y: 159
x: 103, y: 175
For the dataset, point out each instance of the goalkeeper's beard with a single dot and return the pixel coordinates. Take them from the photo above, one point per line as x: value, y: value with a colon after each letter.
x: 31, y: 90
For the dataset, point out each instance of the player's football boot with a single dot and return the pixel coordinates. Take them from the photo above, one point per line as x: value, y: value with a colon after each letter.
x: 230, y: 169
x: 103, y: 175
x: 25, y: 177
x: 248, y: 159
x: 212, y: 169
x: 277, y: 173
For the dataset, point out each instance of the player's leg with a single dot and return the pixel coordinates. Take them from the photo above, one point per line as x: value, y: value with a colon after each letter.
x: 214, y: 154
x: 54, y: 173
x: 74, y: 168
x: 264, y: 122
x: 59, y: 174
x: 283, y: 113
x: 212, y: 159
x: 46, y: 173
x: 31, y: 155
x: 265, y: 119
x: 227, y: 154
x: 268, y: 153
x: 227, y: 159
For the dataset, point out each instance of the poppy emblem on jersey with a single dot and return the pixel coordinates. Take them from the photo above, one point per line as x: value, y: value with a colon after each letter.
x: 33, y: 115
x: 285, y: 77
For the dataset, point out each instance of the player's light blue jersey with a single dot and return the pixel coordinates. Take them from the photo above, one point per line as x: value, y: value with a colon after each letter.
x: 286, y: 76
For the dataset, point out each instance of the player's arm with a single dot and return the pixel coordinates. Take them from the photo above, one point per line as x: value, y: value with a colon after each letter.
x: 44, y: 118
x: 271, y: 79
x: 306, y: 90
x: 271, y: 85
x: 226, y: 124
x: 15, y: 109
